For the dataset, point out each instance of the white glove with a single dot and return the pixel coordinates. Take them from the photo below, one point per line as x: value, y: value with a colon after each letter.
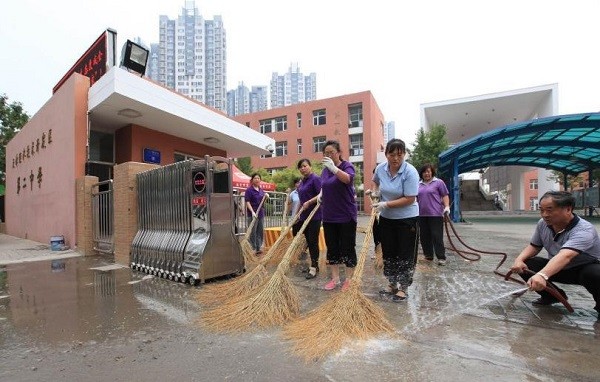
x: 254, y: 214
x: 320, y: 197
x: 375, y: 194
x: 328, y: 162
x: 446, y: 210
x: 380, y: 206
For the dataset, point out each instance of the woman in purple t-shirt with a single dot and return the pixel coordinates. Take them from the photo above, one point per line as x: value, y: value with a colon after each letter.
x: 308, y: 190
x: 253, y: 196
x: 434, y: 203
x: 339, y: 213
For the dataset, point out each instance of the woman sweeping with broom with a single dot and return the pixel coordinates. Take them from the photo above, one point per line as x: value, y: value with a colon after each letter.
x: 308, y: 190
x: 339, y: 213
x: 253, y: 196
x: 397, y: 185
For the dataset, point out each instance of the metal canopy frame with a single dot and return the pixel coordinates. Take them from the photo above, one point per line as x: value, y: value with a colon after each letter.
x: 566, y: 143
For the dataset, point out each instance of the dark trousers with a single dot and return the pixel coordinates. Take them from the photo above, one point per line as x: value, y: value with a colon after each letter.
x: 587, y: 275
x: 431, y: 229
x: 340, y: 239
x: 311, y: 233
x: 399, y: 245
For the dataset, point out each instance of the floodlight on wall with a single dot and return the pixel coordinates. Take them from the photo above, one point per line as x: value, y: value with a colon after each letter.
x: 134, y: 57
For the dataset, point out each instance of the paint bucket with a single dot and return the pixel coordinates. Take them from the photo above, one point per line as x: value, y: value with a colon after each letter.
x: 57, y: 243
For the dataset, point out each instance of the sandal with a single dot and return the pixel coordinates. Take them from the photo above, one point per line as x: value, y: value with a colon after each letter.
x: 398, y: 298
x: 389, y: 292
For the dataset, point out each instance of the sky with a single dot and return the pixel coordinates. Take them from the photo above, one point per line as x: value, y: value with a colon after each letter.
x: 405, y: 52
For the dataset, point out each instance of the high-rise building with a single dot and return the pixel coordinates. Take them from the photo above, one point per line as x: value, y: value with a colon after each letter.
x: 192, y: 57
x: 292, y: 88
x: 389, y: 132
x: 243, y: 101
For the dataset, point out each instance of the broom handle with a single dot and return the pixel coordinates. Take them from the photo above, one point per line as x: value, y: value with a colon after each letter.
x: 285, y: 212
x: 360, y: 266
x: 282, y: 235
x: 253, y: 222
x: 285, y: 262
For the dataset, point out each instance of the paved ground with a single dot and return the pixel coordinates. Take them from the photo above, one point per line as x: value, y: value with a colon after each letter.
x: 86, y: 318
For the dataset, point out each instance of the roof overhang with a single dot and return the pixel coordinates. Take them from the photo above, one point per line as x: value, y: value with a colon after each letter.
x: 121, y: 98
x: 566, y: 143
x: 467, y: 117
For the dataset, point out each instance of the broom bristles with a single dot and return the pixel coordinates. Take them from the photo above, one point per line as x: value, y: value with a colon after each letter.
x: 276, y: 301
x: 214, y: 293
x: 273, y: 303
x: 347, y: 316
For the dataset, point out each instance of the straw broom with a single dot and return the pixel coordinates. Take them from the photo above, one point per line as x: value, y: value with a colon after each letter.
x: 273, y: 303
x: 349, y: 315
x: 215, y: 293
x: 247, y: 249
x: 280, y: 252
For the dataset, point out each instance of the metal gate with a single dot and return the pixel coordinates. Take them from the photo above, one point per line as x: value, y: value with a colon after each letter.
x: 103, y: 217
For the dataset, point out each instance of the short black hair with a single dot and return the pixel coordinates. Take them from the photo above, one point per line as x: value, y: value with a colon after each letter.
x: 255, y: 174
x: 302, y: 161
x: 560, y: 198
x: 395, y: 144
x: 425, y: 167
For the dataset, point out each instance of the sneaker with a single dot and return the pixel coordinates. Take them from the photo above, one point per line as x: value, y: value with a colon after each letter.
x: 332, y: 284
x: 442, y: 262
x: 345, y: 285
x: 312, y: 273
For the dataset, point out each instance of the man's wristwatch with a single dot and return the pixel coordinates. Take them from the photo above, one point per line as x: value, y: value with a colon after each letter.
x: 544, y: 276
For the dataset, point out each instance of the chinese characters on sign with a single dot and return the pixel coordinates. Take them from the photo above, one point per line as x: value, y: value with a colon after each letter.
x: 28, y: 152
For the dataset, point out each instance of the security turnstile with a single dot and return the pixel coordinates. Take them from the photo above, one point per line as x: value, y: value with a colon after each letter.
x: 186, y: 222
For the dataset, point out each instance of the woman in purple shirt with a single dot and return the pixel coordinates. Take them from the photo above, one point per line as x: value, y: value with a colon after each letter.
x: 253, y: 196
x: 339, y: 213
x: 434, y: 203
x: 308, y: 190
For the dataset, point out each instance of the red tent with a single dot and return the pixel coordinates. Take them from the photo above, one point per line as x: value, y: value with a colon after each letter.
x: 242, y: 181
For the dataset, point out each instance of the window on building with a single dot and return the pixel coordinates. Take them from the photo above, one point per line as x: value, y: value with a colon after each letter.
x: 280, y: 123
x: 319, y: 144
x: 266, y: 126
x: 281, y: 149
x: 356, y: 145
x: 319, y: 117
x: 533, y: 204
x: 299, y: 119
x: 180, y: 157
x: 299, y: 146
x: 355, y: 115
x: 266, y: 156
x: 533, y: 184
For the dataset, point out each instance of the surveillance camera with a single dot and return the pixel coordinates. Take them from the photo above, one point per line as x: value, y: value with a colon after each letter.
x: 270, y: 148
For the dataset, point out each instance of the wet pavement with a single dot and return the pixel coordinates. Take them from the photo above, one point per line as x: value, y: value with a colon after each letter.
x: 86, y: 318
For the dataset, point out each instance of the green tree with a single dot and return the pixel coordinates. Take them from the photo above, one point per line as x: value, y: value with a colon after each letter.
x: 284, y: 179
x: 244, y: 165
x: 428, y: 146
x: 12, y: 119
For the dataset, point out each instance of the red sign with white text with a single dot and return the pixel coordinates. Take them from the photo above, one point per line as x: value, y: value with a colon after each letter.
x: 92, y: 64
